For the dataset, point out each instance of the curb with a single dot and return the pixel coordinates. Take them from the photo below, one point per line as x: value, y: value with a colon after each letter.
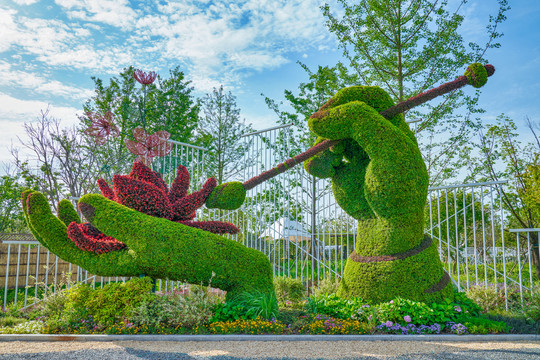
x: 210, y: 338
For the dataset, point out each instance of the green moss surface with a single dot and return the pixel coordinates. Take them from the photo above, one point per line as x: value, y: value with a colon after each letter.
x: 227, y: 196
x: 477, y: 75
x: 51, y: 232
x: 67, y: 213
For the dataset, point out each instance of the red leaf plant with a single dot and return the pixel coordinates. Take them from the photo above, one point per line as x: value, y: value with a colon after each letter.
x: 102, y: 126
x: 144, y: 190
x: 149, y: 146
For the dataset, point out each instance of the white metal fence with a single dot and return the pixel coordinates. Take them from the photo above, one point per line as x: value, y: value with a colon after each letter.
x: 295, y: 221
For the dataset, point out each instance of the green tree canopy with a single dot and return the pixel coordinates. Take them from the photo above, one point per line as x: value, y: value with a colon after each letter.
x: 11, y: 186
x: 407, y: 47
x: 221, y: 130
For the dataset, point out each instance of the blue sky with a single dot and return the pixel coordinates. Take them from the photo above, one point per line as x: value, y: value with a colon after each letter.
x: 50, y: 49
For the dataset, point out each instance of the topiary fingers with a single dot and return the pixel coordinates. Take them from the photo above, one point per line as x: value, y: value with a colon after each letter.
x: 67, y: 213
x: 52, y: 234
x: 24, y: 205
x: 395, y: 161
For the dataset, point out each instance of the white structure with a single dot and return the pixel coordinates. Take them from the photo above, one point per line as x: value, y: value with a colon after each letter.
x: 287, y: 229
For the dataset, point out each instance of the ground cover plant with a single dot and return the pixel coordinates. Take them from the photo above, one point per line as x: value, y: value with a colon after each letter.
x: 133, y: 308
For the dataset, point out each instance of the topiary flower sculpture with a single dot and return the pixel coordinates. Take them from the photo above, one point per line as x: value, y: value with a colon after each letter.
x: 144, y: 190
x: 142, y: 227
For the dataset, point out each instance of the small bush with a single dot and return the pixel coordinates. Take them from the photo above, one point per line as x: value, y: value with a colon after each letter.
x: 455, y: 311
x: 289, y: 316
x: 483, y: 325
x: 248, y: 305
x: 328, y: 285
x: 531, y: 308
x: 334, y: 306
x: 517, y: 323
x: 177, y: 309
x: 10, y: 321
x: 289, y: 289
x: 492, y: 297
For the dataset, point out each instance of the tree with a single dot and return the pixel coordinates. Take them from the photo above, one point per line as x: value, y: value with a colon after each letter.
x: 407, y: 47
x: 11, y: 186
x: 221, y: 131
x: 504, y: 157
x: 65, y: 157
x: 157, y: 104
x: 165, y: 105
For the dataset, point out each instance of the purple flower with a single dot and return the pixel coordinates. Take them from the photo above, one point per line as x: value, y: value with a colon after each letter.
x: 391, y: 301
x: 457, y: 308
x: 407, y: 318
x: 389, y: 323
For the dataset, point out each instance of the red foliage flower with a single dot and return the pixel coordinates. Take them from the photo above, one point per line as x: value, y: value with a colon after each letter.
x: 149, y: 146
x: 144, y: 190
x: 102, y: 126
x: 144, y: 78
x: 87, y: 237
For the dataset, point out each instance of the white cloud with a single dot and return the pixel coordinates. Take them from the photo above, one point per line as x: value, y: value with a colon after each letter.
x: 25, y: 2
x: 26, y: 80
x: 111, y: 12
x: 15, y: 112
x: 8, y: 29
x: 233, y: 36
x: 217, y: 40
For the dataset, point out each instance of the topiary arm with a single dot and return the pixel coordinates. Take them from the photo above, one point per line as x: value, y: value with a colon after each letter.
x: 395, y: 174
x: 166, y: 249
x: 50, y: 231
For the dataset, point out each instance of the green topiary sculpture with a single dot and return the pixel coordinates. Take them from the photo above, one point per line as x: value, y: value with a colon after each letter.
x: 379, y: 177
x: 121, y: 241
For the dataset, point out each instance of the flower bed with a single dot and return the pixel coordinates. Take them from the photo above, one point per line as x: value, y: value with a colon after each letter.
x: 132, y: 308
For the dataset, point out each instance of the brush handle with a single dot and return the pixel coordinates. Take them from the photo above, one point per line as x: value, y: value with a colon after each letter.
x: 471, y: 77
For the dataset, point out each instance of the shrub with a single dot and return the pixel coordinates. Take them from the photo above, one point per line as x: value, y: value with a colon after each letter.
x: 482, y: 325
x: 105, y: 305
x: 153, y: 310
x: 328, y: 285
x: 517, y: 323
x: 178, y: 308
x: 10, y: 321
x: 289, y: 316
x: 196, y: 308
x: 334, y: 306
x: 289, y: 289
x: 489, y: 298
x: 248, y: 305
x: 531, y: 310
x: 420, y: 313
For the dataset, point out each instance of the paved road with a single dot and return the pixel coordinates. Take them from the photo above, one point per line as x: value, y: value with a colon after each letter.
x: 274, y: 350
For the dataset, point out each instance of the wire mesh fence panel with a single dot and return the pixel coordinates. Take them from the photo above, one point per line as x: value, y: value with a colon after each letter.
x: 471, y: 227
